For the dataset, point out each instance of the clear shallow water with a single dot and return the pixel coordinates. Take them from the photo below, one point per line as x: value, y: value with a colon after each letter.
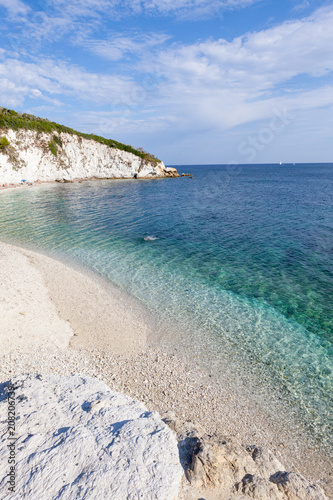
x: 239, y: 260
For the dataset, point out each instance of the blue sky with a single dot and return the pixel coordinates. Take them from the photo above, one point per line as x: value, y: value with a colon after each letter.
x: 192, y: 81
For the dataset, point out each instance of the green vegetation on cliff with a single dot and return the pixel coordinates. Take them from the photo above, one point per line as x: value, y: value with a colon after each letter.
x: 53, y: 148
x: 10, y: 119
x: 4, y: 142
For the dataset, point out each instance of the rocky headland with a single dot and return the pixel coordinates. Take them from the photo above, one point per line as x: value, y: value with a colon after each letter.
x: 33, y: 149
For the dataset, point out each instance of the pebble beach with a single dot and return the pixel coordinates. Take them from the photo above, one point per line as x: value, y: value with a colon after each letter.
x: 56, y: 319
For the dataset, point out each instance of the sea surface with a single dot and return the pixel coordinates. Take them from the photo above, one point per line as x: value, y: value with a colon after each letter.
x: 235, y: 265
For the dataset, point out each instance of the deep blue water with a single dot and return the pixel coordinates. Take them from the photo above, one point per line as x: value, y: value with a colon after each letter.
x: 239, y: 260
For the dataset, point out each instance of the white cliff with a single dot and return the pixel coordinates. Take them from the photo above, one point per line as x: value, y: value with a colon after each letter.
x: 29, y: 156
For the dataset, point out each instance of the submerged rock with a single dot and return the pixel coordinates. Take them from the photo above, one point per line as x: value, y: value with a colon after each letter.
x: 78, y: 439
x: 150, y: 238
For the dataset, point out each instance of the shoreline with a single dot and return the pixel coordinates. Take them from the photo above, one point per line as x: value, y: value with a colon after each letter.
x: 5, y: 188
x: 106, y: 335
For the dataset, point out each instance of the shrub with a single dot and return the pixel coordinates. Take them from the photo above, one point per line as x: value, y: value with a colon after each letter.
x: 4, y: 142
x: 57, y: 139
x: 53, y: 148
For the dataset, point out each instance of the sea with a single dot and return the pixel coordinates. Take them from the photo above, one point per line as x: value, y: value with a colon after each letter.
x: 235, y: 266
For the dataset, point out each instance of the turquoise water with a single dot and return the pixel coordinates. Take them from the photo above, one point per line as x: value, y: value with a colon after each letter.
x: 238, y: 262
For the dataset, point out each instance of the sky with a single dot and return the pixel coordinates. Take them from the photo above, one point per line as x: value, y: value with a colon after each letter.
x: 191, y: 81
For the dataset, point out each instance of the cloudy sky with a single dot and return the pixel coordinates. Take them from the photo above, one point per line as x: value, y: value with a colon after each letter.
x: 192, y: 81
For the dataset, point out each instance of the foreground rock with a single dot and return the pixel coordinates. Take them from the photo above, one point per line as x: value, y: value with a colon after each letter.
x: 217, y: 468
x: 78, y: 439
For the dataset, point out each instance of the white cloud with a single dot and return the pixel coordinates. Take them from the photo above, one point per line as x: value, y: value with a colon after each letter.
x: 182, y: 8
x: 211, y: 84
x: 209, y: 87
x: 261, y: 60
x: 224, y: 84
x: 15, y: 7
x: 79, y: 18
x: 79, y: 14
x: 51, y: 78
x: 192, y: 8
x: 118, y: 46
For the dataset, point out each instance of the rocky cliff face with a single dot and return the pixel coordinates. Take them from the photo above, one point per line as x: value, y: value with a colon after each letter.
x: 48, y: 157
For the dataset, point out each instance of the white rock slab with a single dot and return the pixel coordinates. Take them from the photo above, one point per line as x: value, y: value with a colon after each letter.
x: 80, y: 440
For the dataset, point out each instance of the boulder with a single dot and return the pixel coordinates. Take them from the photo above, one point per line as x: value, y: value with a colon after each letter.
x: 224, y: 469
x: 171, y: 172
x: 254, y: 486
x: 266, y: 463
x: 78, y: 439
x: 296, y: 487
